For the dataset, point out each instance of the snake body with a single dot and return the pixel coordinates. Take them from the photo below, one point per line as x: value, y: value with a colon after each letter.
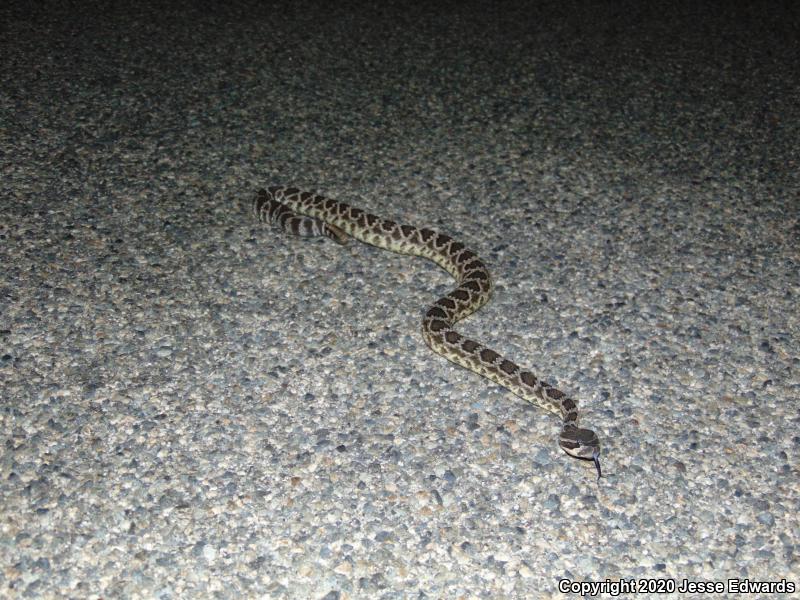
x: 307, y: 214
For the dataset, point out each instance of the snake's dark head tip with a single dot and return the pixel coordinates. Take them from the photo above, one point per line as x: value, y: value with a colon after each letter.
x: 581, y: 443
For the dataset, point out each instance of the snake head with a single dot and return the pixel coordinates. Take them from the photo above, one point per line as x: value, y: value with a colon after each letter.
x: 581, y: 443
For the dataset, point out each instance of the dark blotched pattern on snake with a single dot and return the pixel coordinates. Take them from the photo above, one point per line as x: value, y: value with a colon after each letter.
x: 307, y: 214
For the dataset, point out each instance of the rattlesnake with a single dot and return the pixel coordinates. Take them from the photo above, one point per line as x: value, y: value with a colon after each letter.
x: 307, y: 214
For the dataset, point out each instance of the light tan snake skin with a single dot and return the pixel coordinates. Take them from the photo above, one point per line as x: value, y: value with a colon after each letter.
x: 307, y: 214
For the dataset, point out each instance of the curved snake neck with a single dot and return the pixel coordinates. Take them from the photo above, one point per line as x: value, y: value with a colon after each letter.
x: 306, y: 214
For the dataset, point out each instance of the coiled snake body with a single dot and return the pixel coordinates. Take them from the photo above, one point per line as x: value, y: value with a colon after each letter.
x: 307, y: 214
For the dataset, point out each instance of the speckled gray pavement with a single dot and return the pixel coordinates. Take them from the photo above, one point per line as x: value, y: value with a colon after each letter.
x: 195, y: 405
